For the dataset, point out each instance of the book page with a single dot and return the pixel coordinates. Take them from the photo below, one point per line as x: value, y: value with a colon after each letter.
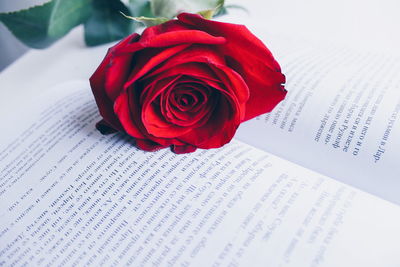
x: 71, y: 196
x: 341, y: 116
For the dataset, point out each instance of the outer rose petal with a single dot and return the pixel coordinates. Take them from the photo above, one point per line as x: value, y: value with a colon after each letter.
x: 118, y: 69
x: 104, y: 127
x: 98, y: 85
x: 122, y: 110
x: 194, y: 53
x: 149, y: 60
x: 201, y: 72
x: 183, y: 149
x: 241, y: 43
x: 148, y: 145
x: 177, y: 38
x: 257, y: 65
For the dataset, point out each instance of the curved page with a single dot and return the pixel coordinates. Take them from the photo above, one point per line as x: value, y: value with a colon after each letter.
x: 70, y: 196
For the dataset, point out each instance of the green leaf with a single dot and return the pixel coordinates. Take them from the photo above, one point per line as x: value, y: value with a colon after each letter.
x: 147, y: 21
x: 40, y: 26
x: 106, y: 24
x: 171, y: 8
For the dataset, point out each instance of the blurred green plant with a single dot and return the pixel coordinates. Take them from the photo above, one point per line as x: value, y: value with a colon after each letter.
x: 104, y: 20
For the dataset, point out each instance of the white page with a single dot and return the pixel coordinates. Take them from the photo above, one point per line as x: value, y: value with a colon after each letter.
x: 69, y: 196
x: 340, y: 117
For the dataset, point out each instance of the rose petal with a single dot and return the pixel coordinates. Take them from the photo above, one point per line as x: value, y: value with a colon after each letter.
x: 239, y: 84
x: 241, y: 43
x: 158, y: 127
x: 175, y: 38
x: 191, y: 54
x: 148, y: 145
x: 183, y: 149
x: 118, y: 69
x: 236, y: 86
x: 231, y: 83
x: 152, y: 118
x: 198, y: 70
x: 266, y: 89
x: 123, y: 110
x: 98, y: 85
x: 105, y: 128
x: 130, y: 119
x: 190, y: 119
x: 149, y: 59
x: 170, y: 26
x: 156, y: 88
x: 198, y: 114
x: 207, y: 56
x: 254, y: 62
x: 223, y: 124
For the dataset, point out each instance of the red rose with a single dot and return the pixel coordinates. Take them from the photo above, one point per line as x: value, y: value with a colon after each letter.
x: 187, y: 83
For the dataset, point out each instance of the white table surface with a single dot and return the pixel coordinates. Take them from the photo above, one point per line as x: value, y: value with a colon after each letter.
x: 360, y: 23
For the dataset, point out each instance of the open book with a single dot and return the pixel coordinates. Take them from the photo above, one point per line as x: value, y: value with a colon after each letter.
x: 71, y: 196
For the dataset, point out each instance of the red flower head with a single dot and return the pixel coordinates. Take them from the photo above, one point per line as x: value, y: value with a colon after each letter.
x: 187, y: 83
